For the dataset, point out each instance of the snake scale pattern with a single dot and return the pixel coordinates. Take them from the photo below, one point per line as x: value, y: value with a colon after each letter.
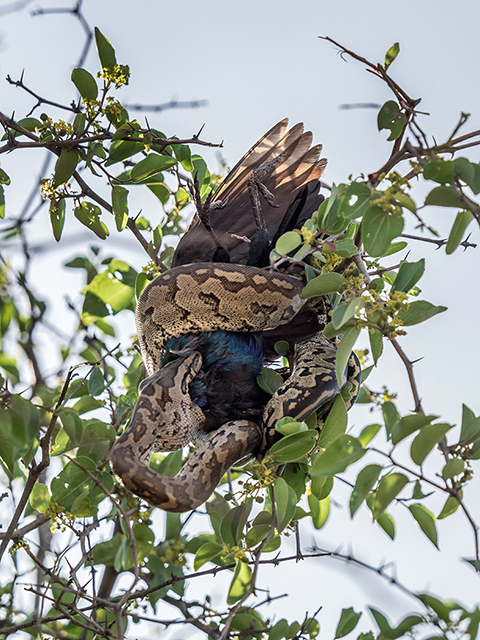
x: 200, y: 296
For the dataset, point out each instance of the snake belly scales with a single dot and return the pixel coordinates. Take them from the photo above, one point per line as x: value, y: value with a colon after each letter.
x: 206, y: 297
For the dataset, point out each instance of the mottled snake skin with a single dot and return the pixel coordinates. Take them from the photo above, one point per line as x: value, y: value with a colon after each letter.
x: 207, y: 296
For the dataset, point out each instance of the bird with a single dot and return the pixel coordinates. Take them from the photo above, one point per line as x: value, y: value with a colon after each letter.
x: 274, y: 188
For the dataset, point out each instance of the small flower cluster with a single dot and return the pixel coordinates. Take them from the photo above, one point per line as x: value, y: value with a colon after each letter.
x: 47, y: 190
x: 385, y: 312
x: 59, y: 129
x: 307, y: 234
x: 152, y: 270
x: 59, y: 518
x: 175, y: 554
x: 18, y: 544
x: 234, y: 553
x: 114, y: 109
x: 118, y: 76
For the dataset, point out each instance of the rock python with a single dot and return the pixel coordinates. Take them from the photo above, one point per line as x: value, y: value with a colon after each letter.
x: 203, y: 298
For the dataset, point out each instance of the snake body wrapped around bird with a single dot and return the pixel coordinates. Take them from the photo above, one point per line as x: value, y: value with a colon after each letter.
x: 207, y: 325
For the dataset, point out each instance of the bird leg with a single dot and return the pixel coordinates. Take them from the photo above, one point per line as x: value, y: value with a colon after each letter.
x: 203, y: 210
x: 255, y: 187
x: 260, y: 242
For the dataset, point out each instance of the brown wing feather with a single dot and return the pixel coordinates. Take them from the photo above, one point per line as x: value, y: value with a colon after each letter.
x: 301, y: 166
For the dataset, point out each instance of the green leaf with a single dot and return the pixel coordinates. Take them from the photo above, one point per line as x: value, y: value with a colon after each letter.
x: 366, y: 371
x: 441, y: 171
x: 388, y: 489
x: 241, y: 581
x: 426, y: 440
x: 77, y: 492
x: 390, y: 117
x: 256, y: 534
x: 89, y: 215
x: 443, y: 197
x: 106, y: 52
x: 96, y: 382
x: 79, y: 123
x: 344, y: 351
x: 418, y: 493
x: 376, y: 343
x: 463, y: 219
x: 65, y: 166
x: 40, y: 497
x: 4, y: 178
x: 352, y: 204
x: 345, y: 311
x: 453, y: 468
x: 441, y: 609
x: 330, y: 211
x: 387, y: 523
x: 120, y: 206
x: 474, y: 563
x: 347, y: 623
x: 57, y: 217
x: 409, y: 424
x: 395, y: 247
x: 72, y: 423
x: 114, y: 286
x: 343, y: 452
x: 288, y: 242
x: 406, y: 202
x: 150, y: 165
x: 30, y: 124
x: 469, y: 173
x: 295, y: 475
x: 426, y: 520
x: 402, y: 629
x: 10, y: 367
x: 322, y: 285
x: 408, y: 275
x: 320, y: 510
x: 279, y: 630
x: 126, y: 130
x: 391, y: 54
x: 419, y: 311
x: 207, y: 552
x: 184, y: 156
x: 346, y: 248
x: 281, y: 347
x: 200, y: 169
x: 269, y: 380
x: 321, y: 486
x: 248, y: 621
x: 2, y: 203
x: 160, y: 191
x: 379, y: 228
x: 140, y: 283
x: 470, y: 430
x: 368, y: 433
x: 122, y: 150
x: 285, y: 503
x: 365, y: 482
x: 335, y: 424
x: 233, y: 522
x: 450, y: 506
x: 293, y: 447
x: 85, y: 83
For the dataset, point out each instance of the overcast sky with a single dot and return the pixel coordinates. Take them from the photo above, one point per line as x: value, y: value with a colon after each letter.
x: 256, y: 62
